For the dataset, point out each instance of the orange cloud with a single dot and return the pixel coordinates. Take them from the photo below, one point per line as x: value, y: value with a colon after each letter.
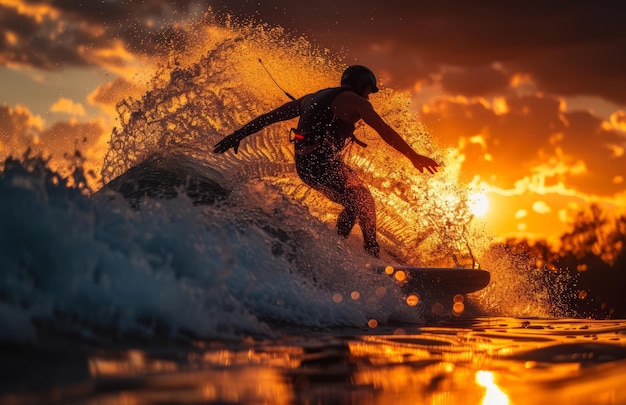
x: 109, y: 94
x: 541, y: 207
x: 19, y: 129
x: 55, y: 35
x: 531, y: 137
x: 65, y: 105
x: 38, y: 11
x: 618, y: 120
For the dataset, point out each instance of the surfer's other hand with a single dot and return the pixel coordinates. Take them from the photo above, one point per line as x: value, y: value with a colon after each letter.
x: 422, y: 162
x: 231, y: 141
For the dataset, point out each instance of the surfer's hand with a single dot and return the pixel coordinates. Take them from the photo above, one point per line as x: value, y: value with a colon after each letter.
x: 231, y: 141
x: 422, y: 162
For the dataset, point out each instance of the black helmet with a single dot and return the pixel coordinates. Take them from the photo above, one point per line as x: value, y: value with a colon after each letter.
x: 357, y: 77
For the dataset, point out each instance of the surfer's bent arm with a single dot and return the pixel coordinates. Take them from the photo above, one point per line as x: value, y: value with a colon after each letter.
x: 391, y: 137
x: 282, y: 113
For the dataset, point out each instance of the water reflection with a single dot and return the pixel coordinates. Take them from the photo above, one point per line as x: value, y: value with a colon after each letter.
x: 493, y: 394
x: 482, y: 361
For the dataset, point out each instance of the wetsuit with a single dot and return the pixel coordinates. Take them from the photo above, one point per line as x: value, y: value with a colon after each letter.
x: 319, y: 140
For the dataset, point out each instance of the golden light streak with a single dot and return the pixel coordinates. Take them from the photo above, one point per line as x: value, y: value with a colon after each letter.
x: 493, y: 394
x: 536, y: 183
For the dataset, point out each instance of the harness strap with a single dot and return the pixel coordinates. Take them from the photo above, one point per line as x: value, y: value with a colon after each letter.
x: 295, y: 136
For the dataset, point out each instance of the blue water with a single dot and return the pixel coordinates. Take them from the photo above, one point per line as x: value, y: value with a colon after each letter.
x: 251, y: 297
x: 86, y: 265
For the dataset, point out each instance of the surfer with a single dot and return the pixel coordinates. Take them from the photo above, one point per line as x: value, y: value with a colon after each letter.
x: 325, y: 128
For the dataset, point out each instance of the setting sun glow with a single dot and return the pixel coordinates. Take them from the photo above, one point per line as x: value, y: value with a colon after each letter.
x: 479, y: 204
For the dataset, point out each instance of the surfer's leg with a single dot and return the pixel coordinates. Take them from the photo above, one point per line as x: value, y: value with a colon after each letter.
x: 345, y: 222
x: 360, y: 201
x: 341, y: 185
x: 359, y: 207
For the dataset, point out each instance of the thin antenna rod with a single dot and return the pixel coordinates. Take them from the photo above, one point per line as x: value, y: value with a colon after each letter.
x: 277, y: 85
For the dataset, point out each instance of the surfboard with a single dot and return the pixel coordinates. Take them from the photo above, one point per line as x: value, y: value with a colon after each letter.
x: 437, y: 280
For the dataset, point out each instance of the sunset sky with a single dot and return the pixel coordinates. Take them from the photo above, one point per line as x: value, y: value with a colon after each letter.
x: 531, y: 94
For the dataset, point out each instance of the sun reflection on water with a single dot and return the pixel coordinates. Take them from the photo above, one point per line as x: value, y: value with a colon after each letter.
x: 493, y: 394
x: 494, y: 361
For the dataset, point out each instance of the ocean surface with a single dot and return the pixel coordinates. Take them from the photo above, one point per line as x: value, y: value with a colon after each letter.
x: 189, y: 277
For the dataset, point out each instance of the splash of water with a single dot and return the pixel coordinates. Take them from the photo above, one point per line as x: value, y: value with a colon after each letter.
x: 271, y: 253
x: 205, y: 92
x: 198, y: 97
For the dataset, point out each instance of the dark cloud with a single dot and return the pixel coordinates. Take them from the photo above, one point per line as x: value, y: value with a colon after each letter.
x: 476, y: 81
x: 573, y: 48
x: 586, y: 141
x: 576, y: 48
x: 57, y: 34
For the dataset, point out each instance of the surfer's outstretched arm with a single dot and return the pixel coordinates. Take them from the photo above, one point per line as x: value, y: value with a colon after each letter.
x: 390, y: 136
x: 351, y: 107
x: 282, y: 113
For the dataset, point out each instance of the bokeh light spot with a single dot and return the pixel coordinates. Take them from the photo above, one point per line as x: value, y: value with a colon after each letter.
x: 400, y: 275
x: 412, y: 300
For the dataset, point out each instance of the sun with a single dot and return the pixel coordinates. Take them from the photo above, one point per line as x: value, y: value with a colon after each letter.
x: 478, y: 204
